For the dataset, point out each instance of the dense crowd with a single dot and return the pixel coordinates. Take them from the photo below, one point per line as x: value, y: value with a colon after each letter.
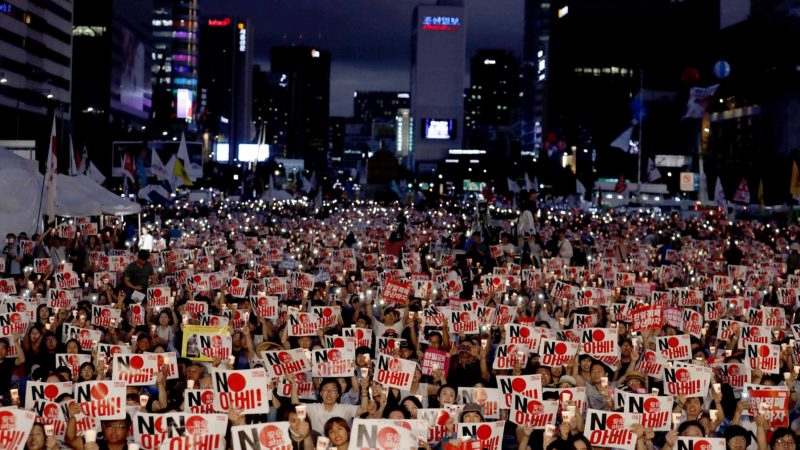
x: 249, y: 325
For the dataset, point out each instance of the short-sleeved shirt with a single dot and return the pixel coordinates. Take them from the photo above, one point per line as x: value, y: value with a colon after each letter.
x: 139, y: 275
x: 319, y: 415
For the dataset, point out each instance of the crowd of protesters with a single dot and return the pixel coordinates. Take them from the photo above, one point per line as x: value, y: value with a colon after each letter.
x: 559, y: 272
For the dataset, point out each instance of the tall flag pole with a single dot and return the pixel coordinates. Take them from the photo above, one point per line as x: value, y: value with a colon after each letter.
x: 51, y: 175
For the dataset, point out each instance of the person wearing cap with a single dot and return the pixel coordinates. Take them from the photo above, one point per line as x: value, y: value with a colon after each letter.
x: 633, y: 382
x: 567, y: 381
x: 471, y: 413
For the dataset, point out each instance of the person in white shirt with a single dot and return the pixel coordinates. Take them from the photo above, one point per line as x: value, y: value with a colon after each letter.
x: 329, y: 392
x: 564, y: 246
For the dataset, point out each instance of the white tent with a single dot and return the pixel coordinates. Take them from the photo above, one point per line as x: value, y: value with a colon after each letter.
x: 20, y: 191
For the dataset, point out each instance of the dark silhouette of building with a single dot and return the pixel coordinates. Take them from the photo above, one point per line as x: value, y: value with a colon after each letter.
x: 111, y: 49
x: 307, y: 72
x: 379, y: 105
x: 270, y: 109
x: 491, y: 101
x: 751, y: 132
x: 226, y: 81
x: 592, y: 59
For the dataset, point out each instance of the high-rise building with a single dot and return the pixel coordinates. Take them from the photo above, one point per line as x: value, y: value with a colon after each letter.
x: 533, y: 78
x: 270, y: 109
x: 404, y: 129
x: 111, y: 48
x: 491, y: 101
x: 378, y: 105
x: 226, y: 81
x: 308, y: 77
x: 493, y: 93
x: 35, y: 66
x: 175, y: 39
x: 593, y: 57
x: 438, y: 39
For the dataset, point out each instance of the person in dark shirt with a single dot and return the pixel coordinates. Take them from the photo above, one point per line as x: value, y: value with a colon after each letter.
x: 8, y: 365
x: 734, y: 255
x: 139, y: 274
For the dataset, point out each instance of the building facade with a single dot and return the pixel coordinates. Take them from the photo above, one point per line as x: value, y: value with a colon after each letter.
x: 307, y: 76
x: 175, y: 67
x: 491, y: 102
x: 437, y: 81
x: 226, y: 81
x: 111, y: 47
x: 35, y: 67
x: 378, y: 105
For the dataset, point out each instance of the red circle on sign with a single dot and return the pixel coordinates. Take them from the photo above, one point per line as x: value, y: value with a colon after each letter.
x: 235, y: 282
x: 524, y: 332
x: 484, y: 432
x: 268, y: 433
x: 763, y: 351
x: 652, y: 405
x: 496, y: 281
x: 359, y: 334
x: 702, y: 445
x: 518, y: 385
x: 207, y: 397
x: 196, y: 425
x: 338, y: 343
x: 334, y: 355
x: 156, y: 292
x: 51, y: 392
x: 67, y: 276
x: 137, y: 362
x: 284, y: 357
x: 137, y: 309
x: 673, y: 342
x: 236, y: 382
x: 327, y: 312
x: 598, y: 335
x: 615, y: 422
x: 561, y: 348
x: 7, y: 421
x: 682, y: 375
x: 587, y: 294
x: 535, y: 407
x: 99, y: 391
x: 20, y: 307
x: 388, y: 438
x: 51, y: 411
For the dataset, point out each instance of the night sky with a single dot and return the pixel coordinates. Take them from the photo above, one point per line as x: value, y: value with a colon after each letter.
x: 369, y: 40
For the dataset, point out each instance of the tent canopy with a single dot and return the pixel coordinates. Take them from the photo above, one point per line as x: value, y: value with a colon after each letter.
x: 21, y: 189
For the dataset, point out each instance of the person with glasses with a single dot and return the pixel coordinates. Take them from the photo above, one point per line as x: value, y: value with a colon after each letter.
x: 782, y: 438
x: 329, y: 393
x: 114, y: 436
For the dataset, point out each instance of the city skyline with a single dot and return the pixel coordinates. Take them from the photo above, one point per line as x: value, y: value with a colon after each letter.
x: 366, y: 55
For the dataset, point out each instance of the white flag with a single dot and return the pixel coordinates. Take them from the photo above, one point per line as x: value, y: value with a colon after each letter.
x: 51, y: 175
x: 94, y: 173
x: 157, y: 167
x: 653, y: 174
x: 623, y: 141
x: 73, y: 168
x: 699, y: 98
x: 719, y: 193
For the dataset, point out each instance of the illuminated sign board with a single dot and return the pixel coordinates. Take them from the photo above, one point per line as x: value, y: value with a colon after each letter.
x: 441, y: 23
x: 242, y: 37
x: 219, y: 22
x: 5, y: 8
x: 185, y: 104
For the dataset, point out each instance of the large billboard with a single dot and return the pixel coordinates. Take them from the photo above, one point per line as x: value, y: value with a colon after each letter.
x: 131, y: 90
